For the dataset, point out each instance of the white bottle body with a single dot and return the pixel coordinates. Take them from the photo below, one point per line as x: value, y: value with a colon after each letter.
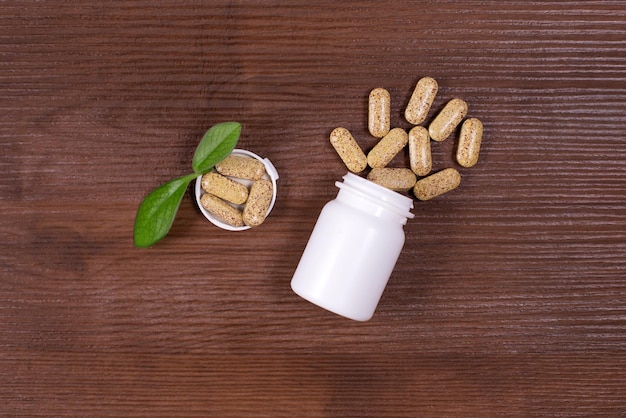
x: 352, y: 250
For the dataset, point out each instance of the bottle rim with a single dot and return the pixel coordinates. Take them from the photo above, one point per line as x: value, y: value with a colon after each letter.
x: 390, y: 199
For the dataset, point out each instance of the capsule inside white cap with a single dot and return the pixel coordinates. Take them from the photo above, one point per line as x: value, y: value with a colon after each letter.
x: 270, y: 174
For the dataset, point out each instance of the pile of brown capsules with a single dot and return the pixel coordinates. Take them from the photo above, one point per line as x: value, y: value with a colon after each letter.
x: 233, y: 201
x: 392, y: 141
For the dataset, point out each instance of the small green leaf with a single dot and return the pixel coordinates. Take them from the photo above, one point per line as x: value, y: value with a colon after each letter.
x: 157, y: 211
x: 217, y: 144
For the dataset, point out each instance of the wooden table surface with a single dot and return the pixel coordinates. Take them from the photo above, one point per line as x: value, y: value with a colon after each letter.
x: 509, y: 297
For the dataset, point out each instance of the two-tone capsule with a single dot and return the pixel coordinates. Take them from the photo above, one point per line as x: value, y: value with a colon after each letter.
x: 469, y: 142
x: 421, y: 100
x: 447, y: 120
x: 379, y: 112
x: 224, y: 188
x: 420, y: 156
x: 397, y: 179
x: 349, y: 151
x: 241, y: 167
x: 258, y: 203
x: 222, y: 210
x: 387, y: 148
x: 437, y: 184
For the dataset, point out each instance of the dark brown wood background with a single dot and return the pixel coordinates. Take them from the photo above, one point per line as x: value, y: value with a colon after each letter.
x: 509, y: 297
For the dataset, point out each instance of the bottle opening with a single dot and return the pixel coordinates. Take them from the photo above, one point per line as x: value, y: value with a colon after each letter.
x: 392, y: 200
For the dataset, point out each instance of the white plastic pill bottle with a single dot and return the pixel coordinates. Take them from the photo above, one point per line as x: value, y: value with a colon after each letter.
x: 353, y: 248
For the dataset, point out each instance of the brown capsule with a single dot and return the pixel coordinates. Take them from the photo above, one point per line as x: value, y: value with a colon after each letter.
x: 447, y: 120
x: 379, y: 112
x: 421, y: 100
x: 221, y: 210
x: 469, y: 142
x: 420, y: 157
x: 241, y: 167
x: 258, y: 203
x: 397, y: 179
x: 437, y: 184
x: 224, y: 188
x: 387, y: 148
x: 349, y: 151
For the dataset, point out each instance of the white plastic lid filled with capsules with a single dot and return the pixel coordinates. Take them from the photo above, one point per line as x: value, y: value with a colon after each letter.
x: 239, y: 193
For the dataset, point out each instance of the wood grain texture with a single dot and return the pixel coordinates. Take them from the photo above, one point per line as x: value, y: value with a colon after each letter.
x: 509, y: 298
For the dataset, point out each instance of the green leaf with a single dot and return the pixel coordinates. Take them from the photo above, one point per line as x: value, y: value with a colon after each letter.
x: 217, y: 144
x: 157, y: 211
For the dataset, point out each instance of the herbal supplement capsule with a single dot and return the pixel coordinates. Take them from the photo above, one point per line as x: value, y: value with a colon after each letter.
x: 437, y: 184
x: 469, y: 142
x: 224, y: 188
x: 241, y: 167
x: 420, y: 157
x: 220, y: 209
x: 421, y: 100
x: 258, y: 203
x: 387, y: 148
x: 397, y: 179
x: 379, y: 112
x: 349, y: 151
x: 447, y: 120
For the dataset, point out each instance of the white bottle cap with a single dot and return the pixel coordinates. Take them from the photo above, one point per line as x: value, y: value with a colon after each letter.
x: 270, y: 174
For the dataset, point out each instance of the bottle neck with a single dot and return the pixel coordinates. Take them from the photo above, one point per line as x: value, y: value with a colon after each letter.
x: 374, y: 199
